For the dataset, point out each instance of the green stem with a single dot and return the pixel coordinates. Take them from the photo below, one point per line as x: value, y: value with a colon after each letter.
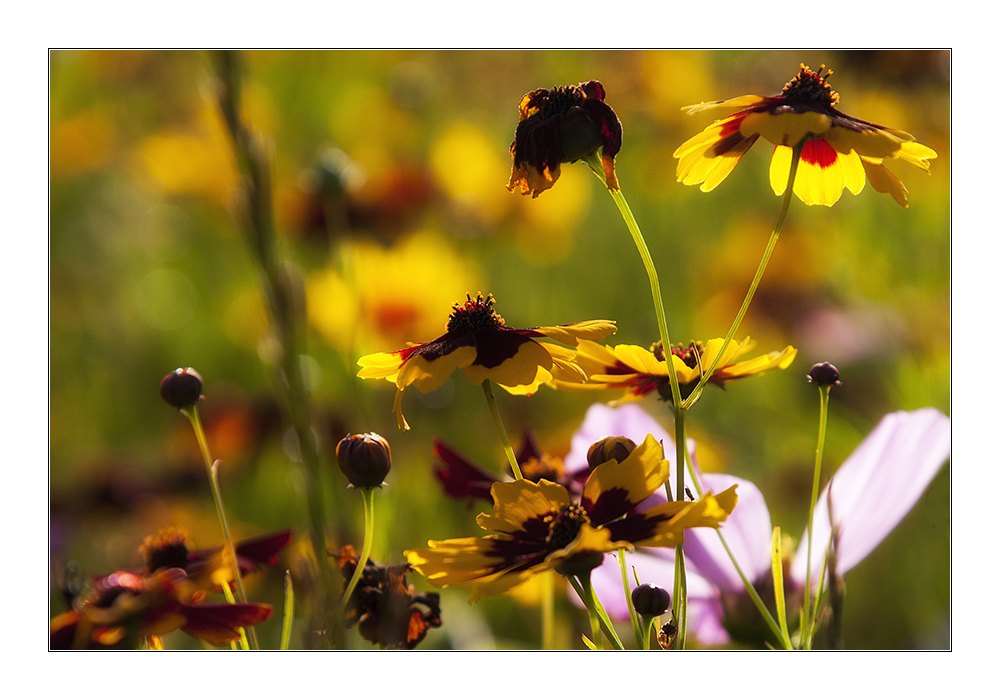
x: 581, y: 584
x: 824, y: 403
x: 548, y: 611
x: 772, y: 241
x: 636, y: 625
x: 508, y: 450
x: 368, y: 495
x: 680, y: 578
x: 289, y: 614
x: 220, y: 510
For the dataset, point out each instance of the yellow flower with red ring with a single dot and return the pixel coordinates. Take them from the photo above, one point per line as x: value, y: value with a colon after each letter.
x: 642, y: 371
x: 478, y: 342
x: 838, y: 150
x: 563, y: 125
x: 539, y: 527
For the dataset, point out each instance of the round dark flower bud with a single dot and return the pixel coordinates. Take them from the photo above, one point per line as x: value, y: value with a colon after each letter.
x: 824, y: 374
x: 616, y: 448
x: 650, y: 600
x: 364, y: 459
x: 181, y: 388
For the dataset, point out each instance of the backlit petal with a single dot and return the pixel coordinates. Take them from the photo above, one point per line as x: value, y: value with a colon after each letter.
x: 517, y: 503
x: 613, y: 489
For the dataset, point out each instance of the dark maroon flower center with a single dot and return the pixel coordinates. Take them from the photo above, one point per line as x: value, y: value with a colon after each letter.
x: 169, y: 548
x: 474, y: 314
x: 544, y: 467
x: 810, y: 87
x: 690, y: 354
x: 560, y: 100
x: 565, y: 525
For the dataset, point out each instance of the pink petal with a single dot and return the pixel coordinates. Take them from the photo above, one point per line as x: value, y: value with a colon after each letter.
x: 876, y: 487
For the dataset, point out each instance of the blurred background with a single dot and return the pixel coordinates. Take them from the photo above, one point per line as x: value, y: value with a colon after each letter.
x: 388, y: 174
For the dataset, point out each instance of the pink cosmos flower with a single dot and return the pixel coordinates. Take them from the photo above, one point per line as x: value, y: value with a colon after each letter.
x: 872, y: 492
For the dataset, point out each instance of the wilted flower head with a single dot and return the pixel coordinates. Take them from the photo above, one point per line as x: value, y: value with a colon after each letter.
x: 837, y: 150
x: 562, y: 125
x: 386, y: 610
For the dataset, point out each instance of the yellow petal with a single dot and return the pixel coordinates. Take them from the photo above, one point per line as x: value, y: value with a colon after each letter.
x: 630, y: 482
x: 781, y: 165
x: 380, y: 365
x: 516, y: 502
x: 572, y: 333
x: 736, y: 104
x: 884, y: 181
x: 521, y: 369
x: 428, y: 375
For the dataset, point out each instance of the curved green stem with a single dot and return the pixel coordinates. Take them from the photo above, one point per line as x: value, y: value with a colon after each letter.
x: 772, y: 241
x: 824, y: 402
x: 636, y: 625
x: 598, y: 618
x: 368, y: 495
x: 492, y: 402
x: 220, y: 510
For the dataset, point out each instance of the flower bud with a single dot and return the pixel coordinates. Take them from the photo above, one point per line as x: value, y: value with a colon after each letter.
x: 181, y: 388
x: 650, y: 600
x: 364, y: 459
x: 616, y: 448
x: 824, y: 374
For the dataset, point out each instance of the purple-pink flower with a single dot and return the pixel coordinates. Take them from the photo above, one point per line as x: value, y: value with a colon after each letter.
x: 872, y: 492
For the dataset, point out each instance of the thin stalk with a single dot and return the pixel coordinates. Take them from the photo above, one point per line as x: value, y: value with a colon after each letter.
x: 636, y: 625
x: 548, y: 611
x: 368, y: 495
x: 279, y: 289
x: 680, y: 576
x: 583, y: 589
x: 824, y: 403
x: 213, y: 479
x: 772, y: 241
x: 289, y: 614
x: 508, y: 450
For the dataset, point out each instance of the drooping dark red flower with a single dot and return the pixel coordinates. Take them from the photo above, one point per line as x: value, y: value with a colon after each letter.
x: 386, y: 610
x: 563, y: 125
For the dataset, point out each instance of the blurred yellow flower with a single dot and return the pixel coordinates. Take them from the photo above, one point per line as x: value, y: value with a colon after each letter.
x: 837, y: 150
x: 388, y: 295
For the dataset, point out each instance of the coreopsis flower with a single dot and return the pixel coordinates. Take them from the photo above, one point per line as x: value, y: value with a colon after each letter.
x: 538, y: 526
x: 562, y: 125
x: 125, y: 608
x: 642, y: 371
x: 870, y: 494
x: 837, y: 150
x: 171, y: 548
x: 463, y: 478
x: 386, y: 610
x: 477, y: 341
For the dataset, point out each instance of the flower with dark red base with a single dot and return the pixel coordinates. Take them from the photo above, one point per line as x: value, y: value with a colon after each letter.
x: 386, y: 610
x: 562, y: 125
x: 539, y: 526
x: 838, y: 150
x: 641, y: 371
x: 478, y: 342
x: 170, y: 548
x: 125, y: 608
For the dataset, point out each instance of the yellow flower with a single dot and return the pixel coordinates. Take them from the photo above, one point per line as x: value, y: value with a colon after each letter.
x: 837, y: 150
x: 478, y: 342
x: 539, y: 527
x: 563, y: 125
x: 641, y: 371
